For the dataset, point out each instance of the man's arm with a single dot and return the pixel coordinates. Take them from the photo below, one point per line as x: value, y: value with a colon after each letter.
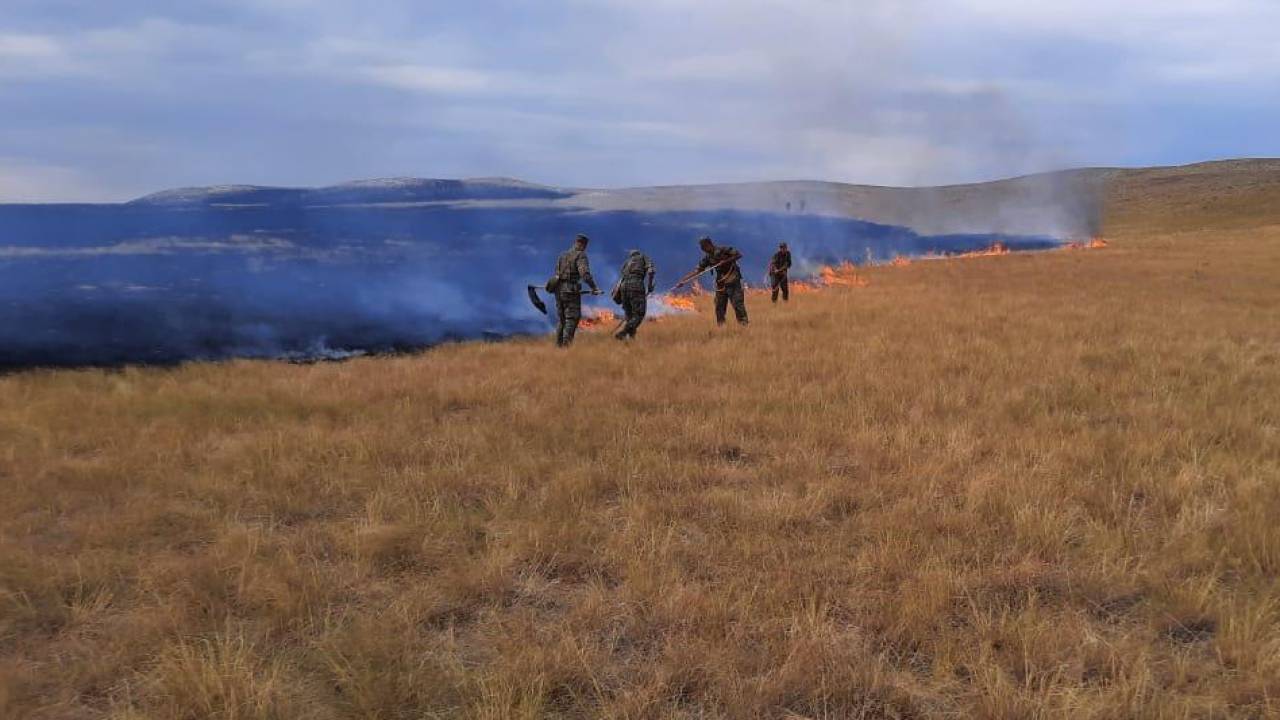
x: 584, y: 272
x: 650, y: 272
x: 703, y: 265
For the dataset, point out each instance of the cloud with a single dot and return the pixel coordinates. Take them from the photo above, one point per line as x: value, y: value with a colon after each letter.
x: 1226, y: 40
x: 15, y: 47
x: 1092, y: 18
x: 30, y: 55
x: 618, y: 92
x: 137, y: 52
x: 420, y: 78
x: 735, y: 66
x: 22, y: 181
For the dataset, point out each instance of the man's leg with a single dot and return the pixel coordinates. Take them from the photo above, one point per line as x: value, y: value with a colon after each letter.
x: 639, y: 306
x: 739, y: 298
x: 626, y: 317
x: 572, y: 304
x: 560, y: 308
x: 773, y: 287
x: 722, y: 304
x: 629, y: 308
x: 626, y: 314
x: 785, y: 283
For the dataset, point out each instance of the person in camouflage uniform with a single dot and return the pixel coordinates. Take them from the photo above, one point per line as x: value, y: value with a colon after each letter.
x: 729, y: 288
x: 634, y: 285
x: 572, y: 269
x: 779, y: 267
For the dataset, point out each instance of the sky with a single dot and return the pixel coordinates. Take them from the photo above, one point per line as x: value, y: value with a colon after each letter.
x: 106, y: 100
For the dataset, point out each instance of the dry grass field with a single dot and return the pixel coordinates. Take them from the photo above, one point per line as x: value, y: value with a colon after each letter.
x: 1006, y: 487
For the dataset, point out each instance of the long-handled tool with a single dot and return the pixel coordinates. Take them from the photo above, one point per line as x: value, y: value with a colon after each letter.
x: 699, y: 273
x: 542, y: 307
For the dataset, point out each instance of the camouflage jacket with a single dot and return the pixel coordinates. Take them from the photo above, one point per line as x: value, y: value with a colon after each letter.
x: 572, y: 268
x: 637, y: 269
x: 780, y: 263
x: 727, y: 273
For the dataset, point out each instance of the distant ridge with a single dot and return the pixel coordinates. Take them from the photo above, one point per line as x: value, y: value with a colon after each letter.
x: 1055, y: 202
x: 1047, y: 203
x: 381, y: 190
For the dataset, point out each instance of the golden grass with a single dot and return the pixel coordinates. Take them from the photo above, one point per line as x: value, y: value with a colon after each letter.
x: 1022, y: 486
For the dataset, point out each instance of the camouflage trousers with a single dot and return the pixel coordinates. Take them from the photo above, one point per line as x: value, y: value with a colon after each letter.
x: 635, y: 303
x: 568, y: 315
x: 778, y: 281
x: 731, y: 293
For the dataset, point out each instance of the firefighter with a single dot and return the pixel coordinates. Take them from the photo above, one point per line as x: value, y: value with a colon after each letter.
x: 729, y: 289
x: 634, y: 287
x: 779, y: 267
x: 572, y: 269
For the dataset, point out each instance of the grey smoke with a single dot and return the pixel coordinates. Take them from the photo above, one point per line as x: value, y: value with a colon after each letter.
x: 295, y: 273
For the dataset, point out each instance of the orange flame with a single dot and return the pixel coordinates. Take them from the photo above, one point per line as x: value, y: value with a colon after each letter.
x: 678, y: 302
x: 997, y: 248
x: 1096, y: 243
x: 843, y: 275
x: 593, y: 318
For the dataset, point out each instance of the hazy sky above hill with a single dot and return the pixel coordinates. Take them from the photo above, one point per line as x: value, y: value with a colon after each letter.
x: 110, y: 100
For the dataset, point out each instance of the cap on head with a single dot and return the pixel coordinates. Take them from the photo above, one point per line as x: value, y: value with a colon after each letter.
x: 782, y: 246
x: 581, y: 239
x: 705, y: 242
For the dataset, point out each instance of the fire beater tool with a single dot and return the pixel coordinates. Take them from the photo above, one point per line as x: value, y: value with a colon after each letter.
x: 541, y: 306
x: 697, y: 274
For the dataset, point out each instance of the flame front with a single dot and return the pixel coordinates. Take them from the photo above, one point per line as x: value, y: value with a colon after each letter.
x: 594, y: 318
x: 681, y: 303
x: 827, y: 276
x: 996, y: 248
x: 1095, y: 243
x: 843, y: 275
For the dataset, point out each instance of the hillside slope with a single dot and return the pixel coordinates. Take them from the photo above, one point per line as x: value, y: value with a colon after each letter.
x: 1037, y: 485
x: 1231, y: 194
x: 1066, y: 202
